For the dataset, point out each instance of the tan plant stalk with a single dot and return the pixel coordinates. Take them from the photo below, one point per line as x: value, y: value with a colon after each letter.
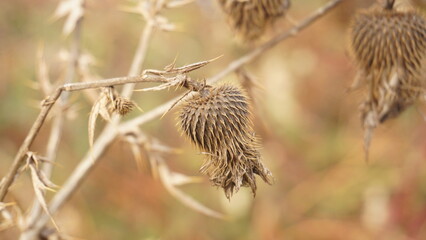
x: 58, y: 122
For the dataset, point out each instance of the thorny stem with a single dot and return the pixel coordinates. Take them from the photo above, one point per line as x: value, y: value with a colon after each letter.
x: 109, y: 132
x: 19, y: 158
x: 58, y: 122
x: 236, y: 64
x: 47, y: 106
x: 139, y: 57
x: 141, y: 51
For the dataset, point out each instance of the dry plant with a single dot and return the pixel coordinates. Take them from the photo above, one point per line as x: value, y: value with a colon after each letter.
x: 251, y: 18
x: 216, y: 119
x: 389, y: 47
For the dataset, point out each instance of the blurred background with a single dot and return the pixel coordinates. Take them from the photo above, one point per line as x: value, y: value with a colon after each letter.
x: 308, y: 122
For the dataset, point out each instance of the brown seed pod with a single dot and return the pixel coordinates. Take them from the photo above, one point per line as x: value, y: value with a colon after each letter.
x: 250, y: 18
x: 389, y: 47
x: 122, y: 106
x: 217, y: 120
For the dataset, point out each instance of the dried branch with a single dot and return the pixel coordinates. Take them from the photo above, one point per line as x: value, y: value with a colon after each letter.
x: 170, y: 183
x: 51, y: 100
x: 236, y: 64
x: 58, y: 122
x: 19, y: 158
x: 140, y: 54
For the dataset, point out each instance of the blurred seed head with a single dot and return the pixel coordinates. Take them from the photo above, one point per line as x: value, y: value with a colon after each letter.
x: 250, y: 18
x: 389, y: 47
x: 217, y: 120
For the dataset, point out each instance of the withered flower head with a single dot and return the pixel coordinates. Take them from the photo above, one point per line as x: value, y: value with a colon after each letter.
x: 250, y: 18
x: 389, y: 48
x: 123, y: 105
x: 217, y: 120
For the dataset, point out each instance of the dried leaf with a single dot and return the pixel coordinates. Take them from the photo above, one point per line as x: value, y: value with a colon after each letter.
x: 194, y: 66
x: 74, y: 9
x: 100, y: 107
x: 92, y: 121
x: 136, y: 151
x: 178, y: 3
x: 104, y: 110
x: 6, y: 224
x: 163, y: 148
x: 175, y: 103
x: 167, y: 180
x: 39, y: 188
x: 164, y: 24
x: 171, y: 66
x: 143, y: 8
x: 177, y: 81
x: 179, y: 179
x: 181, y: 70
x: 43, y: 72
x: 5, y: 205
x: 46, y: 181
x: 7, y: 221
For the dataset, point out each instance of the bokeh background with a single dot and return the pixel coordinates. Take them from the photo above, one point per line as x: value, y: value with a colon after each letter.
x: 309, y: 124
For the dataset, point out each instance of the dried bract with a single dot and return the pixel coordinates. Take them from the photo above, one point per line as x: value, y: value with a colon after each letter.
x: 123, y: 105
x: 250, y: 18
x: 217, y: 120
x: 389, y: 47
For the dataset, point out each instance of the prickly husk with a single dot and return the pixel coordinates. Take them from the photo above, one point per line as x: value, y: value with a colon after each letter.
x: 218, y: 122
x: 389, y: 47
x: 250, y: 18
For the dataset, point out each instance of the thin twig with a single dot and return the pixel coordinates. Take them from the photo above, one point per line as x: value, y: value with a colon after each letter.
x: 47, y: 106
x: 139, y: 57
x: 58, y: 122
x: 109, y: 133
x: 19, y: 158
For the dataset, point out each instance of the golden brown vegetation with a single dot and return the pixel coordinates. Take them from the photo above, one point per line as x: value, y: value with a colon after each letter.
x: 63, y: 178
x: 251, y: 18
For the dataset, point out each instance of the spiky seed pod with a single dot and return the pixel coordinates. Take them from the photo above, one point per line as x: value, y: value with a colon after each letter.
x: 250, y: 18
x: 217, y: 120
x: 122, y: 106
x: 389, y: 47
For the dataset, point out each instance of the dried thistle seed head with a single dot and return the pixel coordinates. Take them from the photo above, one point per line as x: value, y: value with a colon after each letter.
x: 123, y: 105
x: 387, y: 38
x: 218, y: 122
x: 389, y: 47
x: 250, y: 18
